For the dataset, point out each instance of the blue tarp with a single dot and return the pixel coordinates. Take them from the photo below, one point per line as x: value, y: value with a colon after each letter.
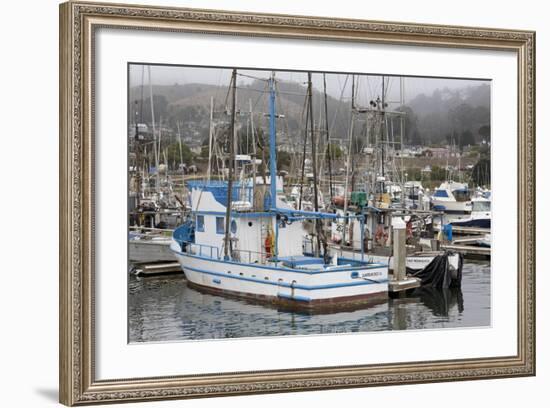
x: 299, y: 260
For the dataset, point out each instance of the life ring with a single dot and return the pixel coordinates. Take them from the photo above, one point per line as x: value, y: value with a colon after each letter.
x: 409, y: 229
x: 381, y: 235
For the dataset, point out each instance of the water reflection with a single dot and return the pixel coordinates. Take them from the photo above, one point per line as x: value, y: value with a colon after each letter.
x: 165, y: 308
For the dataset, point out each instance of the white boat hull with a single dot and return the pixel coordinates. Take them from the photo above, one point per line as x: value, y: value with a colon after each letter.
x: 278, y: 284
x: 414, y: 262
x: 453, y: 206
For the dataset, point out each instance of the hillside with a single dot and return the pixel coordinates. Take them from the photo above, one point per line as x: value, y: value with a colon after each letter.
x: 443, y: 117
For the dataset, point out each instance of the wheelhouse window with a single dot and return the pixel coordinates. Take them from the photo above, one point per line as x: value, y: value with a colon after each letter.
x: 481, y: 206
x: 441, y: 193
x: 220, y: 225
x: 200, y: 223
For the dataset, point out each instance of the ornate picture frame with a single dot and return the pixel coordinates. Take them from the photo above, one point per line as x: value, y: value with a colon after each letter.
x: 78, y: 24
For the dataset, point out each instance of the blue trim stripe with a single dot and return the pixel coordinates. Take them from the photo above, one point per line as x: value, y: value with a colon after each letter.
x: 287, y: 269
x: 298, y: 298
x: 284, y: 284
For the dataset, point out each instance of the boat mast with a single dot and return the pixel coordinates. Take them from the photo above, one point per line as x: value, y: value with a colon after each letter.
x: 382, y: 133
x: 254, y: 153
x: 313, y: 146
x: 138, y: 158
x: 313, y: 160
x: 348, y: 165
x: 272, y: 147
x: 154, y: 130
x: 303, y: 159
x: 210, y: 131
x: 227, y: 242
x: 329, y: 152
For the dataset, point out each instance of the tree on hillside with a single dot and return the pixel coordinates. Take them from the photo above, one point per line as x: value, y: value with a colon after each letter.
x: 160, y: 105
x: 485, y: 132
x: 410, y: 124
x: 466, y: 139
x: 334, y: 151
x: 481, y: 173
x: 174, y: 158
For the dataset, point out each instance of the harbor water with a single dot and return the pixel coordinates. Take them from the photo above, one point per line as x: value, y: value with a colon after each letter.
x: 164, y: 308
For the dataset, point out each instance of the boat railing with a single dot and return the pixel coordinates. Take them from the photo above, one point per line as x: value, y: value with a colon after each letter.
x: 238, y: 255
x: 243, y: 255
x: 348, y: 251
x: 204, y: 250
x: 149, y: 229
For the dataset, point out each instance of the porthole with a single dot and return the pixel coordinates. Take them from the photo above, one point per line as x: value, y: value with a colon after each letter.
x: 249, y: 223
x: 233, y: 226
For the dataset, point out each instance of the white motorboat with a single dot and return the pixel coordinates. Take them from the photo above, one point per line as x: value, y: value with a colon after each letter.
x: 452, y: 197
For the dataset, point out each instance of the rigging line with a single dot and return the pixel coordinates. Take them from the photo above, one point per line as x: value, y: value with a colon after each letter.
x: 303, y: 113
x: 227, y: 95
x: 388, y: 88
x: 260, y: 97
x: 284, y: 116
x: 295, y: 141
x: 142, y: 86
x: 264, y: 91
x: 253, y: 77
x: 335, y: 116
x: 370, y: 95
x: 303, y: 159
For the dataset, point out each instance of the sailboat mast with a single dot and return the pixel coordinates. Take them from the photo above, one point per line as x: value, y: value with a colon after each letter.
x: 210, y: 131
x: 272, y: 147
x: 303, y: 162
x: 254, y: 153
x: 329, y: 152
x: 154, y: 130
x: 314, y: 163
x: 382, y: 134
x: 231, y: 164
x: 313, y: 146
x: 181, y: 162
x: 138, y: 158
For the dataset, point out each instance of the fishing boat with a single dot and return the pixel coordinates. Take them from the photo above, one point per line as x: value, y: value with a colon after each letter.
x: 242, y: 240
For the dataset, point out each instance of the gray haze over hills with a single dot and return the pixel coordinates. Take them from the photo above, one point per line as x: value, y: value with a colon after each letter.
x: 437, y: 109
x: 170, y: 75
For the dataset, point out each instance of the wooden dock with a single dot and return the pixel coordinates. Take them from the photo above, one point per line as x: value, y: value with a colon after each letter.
x: 468, y: 250
x: 466, y: 230
x: 396, y: 286
x: 158, y: 269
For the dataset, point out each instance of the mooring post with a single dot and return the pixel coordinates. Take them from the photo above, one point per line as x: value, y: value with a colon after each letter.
x: 399, y: 250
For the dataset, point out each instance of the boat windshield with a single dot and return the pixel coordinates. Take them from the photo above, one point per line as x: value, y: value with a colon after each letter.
x: 481, y: 206
x: 462, y: 195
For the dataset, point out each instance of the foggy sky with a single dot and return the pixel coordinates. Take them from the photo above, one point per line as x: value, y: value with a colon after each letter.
x: 369, y: 86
